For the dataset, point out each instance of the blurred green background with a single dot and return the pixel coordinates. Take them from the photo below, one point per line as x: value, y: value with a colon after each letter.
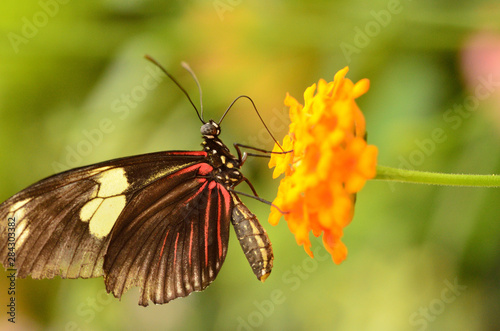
x: 420, y: 257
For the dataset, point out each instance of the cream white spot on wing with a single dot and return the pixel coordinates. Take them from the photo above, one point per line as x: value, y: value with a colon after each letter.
x: 112, y: 182
x: 22, y: 233
x: 98, y: 170
x: 17, y: 211
x: 89, y: 209
x: 20, y: 225
x: 105, y: 216
x: 19, y: 204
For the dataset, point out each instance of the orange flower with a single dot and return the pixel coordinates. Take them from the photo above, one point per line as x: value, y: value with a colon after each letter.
x: 330, y: 162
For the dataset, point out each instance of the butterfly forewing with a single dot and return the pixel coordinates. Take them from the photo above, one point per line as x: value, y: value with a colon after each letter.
x: 49, y: 238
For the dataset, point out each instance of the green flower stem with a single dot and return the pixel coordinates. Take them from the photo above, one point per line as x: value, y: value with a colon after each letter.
x: 435, y: 178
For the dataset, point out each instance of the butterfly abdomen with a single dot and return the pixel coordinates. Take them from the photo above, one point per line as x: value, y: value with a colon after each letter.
x: 253, y: 239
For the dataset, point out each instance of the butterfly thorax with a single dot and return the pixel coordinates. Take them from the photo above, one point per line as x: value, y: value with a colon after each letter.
x: 226, y: 165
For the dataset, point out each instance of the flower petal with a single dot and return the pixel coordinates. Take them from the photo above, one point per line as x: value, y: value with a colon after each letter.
x: 329, y: 163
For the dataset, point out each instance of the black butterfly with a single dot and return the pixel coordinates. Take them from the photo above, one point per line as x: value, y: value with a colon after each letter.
x: 158, y: 221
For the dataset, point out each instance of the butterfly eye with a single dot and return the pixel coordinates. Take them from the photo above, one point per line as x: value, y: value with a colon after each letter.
x: 210, y: 129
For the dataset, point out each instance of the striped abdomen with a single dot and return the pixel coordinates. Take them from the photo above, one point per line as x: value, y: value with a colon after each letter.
x: 253, y: 239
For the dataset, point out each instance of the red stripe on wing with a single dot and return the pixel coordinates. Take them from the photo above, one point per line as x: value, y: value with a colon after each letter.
x: 219, y: 209
x: 195, y: 195
x: 187, y: 153
x: 207, y: 220
x: 205, y: 169
x: 191, y: 245
x: 202, y: 169
x: 163, y: 246
x: 175, y: 248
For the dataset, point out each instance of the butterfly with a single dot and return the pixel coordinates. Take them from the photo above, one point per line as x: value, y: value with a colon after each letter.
x: 157, y: 221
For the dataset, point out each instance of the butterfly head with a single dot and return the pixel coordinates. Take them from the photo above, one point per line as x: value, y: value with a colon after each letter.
x: 210, y: 129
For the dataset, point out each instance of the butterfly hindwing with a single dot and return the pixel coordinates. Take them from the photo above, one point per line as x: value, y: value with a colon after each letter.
x: 170, y: 244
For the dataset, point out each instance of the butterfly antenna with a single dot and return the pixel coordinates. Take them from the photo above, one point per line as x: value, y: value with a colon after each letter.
x: 188, y: 68
x: 258, y: 114
x: 149, y: 58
